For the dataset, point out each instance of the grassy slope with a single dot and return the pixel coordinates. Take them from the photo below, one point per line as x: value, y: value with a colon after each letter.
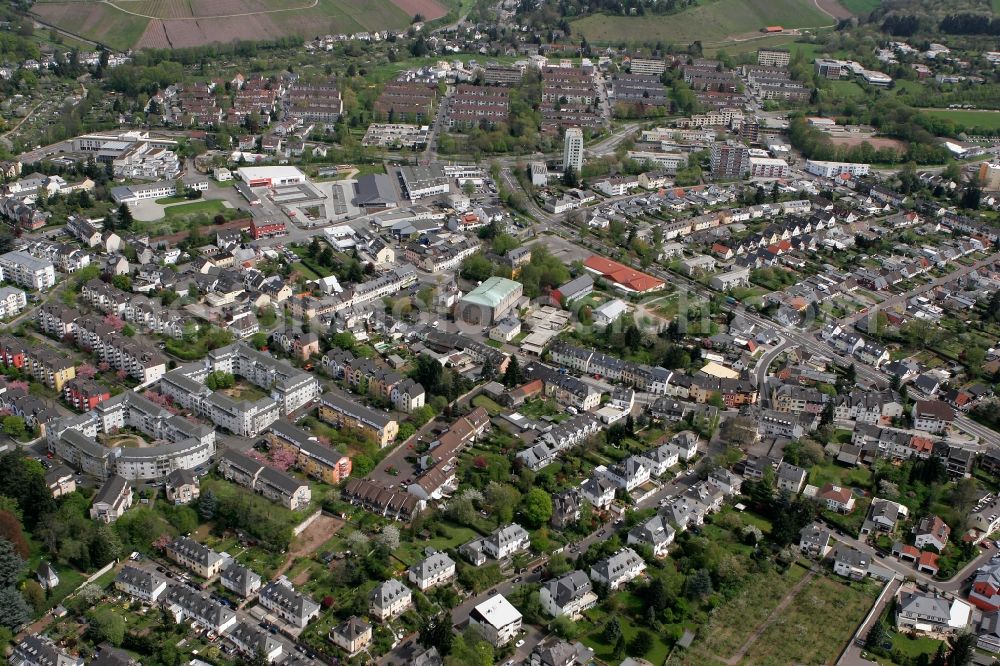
x: 710, y: 22
x: 95, y: 21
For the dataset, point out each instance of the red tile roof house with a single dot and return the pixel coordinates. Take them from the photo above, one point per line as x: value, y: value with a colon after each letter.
x: 836, y: 498
x: 932, y: 531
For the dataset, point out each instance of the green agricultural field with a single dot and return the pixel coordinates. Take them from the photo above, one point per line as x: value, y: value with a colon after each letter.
x: 711, y: 23
x: 861, y: 6
x: 984, y: 120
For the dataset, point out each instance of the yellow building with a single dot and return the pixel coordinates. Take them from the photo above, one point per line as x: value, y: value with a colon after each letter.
x: 345, y: 413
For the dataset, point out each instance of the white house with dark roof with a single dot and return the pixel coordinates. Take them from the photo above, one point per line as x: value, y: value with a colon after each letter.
x: 660, y: 459
x: 599, y: 491
x: 927, y: 613
x: 435, y: 569
x: 814, y: 541
x: 389, y: 599
x: 197, y: 557
x: 140, y: 583
x: 568, y: 595
x: 352, y: 636
x: 618, y: 569
x: 112, y: 500
x: 251, y: 640
x: 280, y: 598
x: 241, y: 580
x: 655, y: 532
x: 186, y: 604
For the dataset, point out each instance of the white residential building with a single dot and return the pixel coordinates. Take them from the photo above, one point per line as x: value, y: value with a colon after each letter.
x: 28, y: 271
x: 497, y: 619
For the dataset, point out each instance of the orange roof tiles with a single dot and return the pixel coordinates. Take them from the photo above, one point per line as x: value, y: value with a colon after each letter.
x: 622, y: 274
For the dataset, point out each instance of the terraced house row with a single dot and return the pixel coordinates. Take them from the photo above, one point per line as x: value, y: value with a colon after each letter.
x: 366, y: 376
x: 41, y: 363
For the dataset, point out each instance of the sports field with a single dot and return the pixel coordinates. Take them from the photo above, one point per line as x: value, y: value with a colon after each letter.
x: 125, y: 24
x: 714, y: 22
x: 984, y: 120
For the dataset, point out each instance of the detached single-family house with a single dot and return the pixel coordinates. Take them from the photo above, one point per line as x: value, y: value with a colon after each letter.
x: 352, y: 636
x: 389, y: 599
x: 435, y: 569
x: 618, y: 569
x: 570, y: 595
x: 655, y: 532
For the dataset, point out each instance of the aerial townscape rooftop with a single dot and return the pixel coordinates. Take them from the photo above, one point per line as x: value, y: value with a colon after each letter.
x: 534, y: 334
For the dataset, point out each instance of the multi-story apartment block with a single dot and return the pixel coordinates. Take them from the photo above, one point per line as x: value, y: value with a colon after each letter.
x: 313, y: 458
x: 28, y: 271
x: 273, y: 484
x: 12, y: 301
x: 346, y: 413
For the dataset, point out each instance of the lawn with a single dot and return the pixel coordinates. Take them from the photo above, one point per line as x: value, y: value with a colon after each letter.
x: 121, y: 26
x: 446, y: 535
x: 831, y: 472
x: 210, y: 206
x: 842, y: 607
x: 845, y: 90
x: 984, y: 120
x: 606, y: 653
x: 712, y: 22
x: 93, y: 20
x: 486, y: 403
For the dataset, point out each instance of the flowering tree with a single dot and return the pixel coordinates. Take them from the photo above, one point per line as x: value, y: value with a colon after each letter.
x: 121, y: 374
x: 86, y: 371
x: 282, y: 458
x: 161, y: 542
x: 390, y: 537
x: 357, y: 542
x: 18, y: 384
x: 103, y: 366
x: 114, y: 321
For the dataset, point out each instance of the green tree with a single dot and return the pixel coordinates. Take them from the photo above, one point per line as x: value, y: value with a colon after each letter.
x: 14, y: 610
x: 503, y: 498
x: 34, y: 595
x: 14, y: 426
x: 537, y: 507
x: 124, y: 217
x: 612, y: 631
x: 106, y: 625
x: 640, y: 644
x: 962, y: 649
x: 435, y: 631
x: 208, y: 504
x: 11, y: 564
x: 477, y: 268
x: 512, y: 376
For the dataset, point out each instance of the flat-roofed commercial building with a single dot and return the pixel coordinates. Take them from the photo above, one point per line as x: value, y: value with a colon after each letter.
x: 490, y: 301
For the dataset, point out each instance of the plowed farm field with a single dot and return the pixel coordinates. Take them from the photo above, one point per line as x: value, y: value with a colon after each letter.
x: 125, y: 24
